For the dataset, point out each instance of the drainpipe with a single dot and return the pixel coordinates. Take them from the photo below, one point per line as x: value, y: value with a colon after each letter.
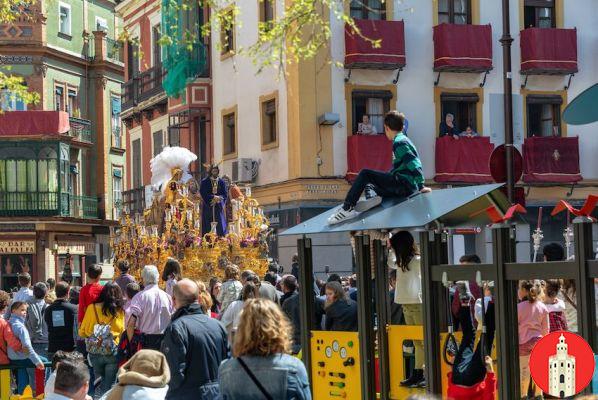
x: 506, y: 40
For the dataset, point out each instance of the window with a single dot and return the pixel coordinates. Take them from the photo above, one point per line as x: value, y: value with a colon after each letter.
x: 132, y: 59
x: 101, y: 24
x: 544, y: 115
x: 174, y: 136
x: 59, y: 98
x: 368, y: 9
x: 463, y: 108
x: 454, y: 12
x: 539, y: 14
x: 266, y: 12
x: 374, y: 104
x: 158, y: 142
x: 117, y: 192
x: 229, y: 139
x: 11, y: 102
x: 73, y: 103
x: 157, y: 56
x: 115, y: 122
x: 269, y: 122
x: 136, y: 157
x: 64, y: 19
x: 227, y: 34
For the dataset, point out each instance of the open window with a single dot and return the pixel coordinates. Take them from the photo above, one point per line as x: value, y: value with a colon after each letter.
x: 117, y: 192
x: 101, y: 24
x: 72, y: 106
x: 267, y: 13
x: 368, y: 9
x: 136, y: 157
x: 10, y: 101
x: 269, y: 122
x: 539, y: 14
x: 115, y: 122
x: 373, y: 103
x: 227, y: 34
x: 454, y: 12
x: 64, y: 18
x: 158, y: 139
x: 544, y: 115
x: 156, y: 48
x: 463, y: 107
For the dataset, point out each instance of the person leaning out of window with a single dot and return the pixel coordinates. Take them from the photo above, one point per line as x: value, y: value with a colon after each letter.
x: 469, y: 132
x: 448, y: 127
x: 365, y: 127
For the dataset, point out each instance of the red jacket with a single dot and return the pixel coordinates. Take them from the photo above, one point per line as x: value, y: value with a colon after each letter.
x: 89, y: 294
x: 482, y: 391
x: 7, y: 338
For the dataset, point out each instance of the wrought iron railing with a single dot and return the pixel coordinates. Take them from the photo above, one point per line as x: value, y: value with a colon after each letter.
x: 79, y: 206
x: 150, y: 82
x: 114, y: 50
x: 129, y: 93
x: 80, y: 129
x: 47, y: 204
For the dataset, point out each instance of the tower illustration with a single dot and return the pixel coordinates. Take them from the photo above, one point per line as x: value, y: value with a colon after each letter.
x: 561, y: 375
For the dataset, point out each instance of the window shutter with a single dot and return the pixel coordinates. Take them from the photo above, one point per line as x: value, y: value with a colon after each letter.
x: 465, y: 97
x: 544, y: 99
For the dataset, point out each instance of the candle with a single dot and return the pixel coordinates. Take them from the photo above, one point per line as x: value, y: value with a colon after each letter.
x: 539, y: 217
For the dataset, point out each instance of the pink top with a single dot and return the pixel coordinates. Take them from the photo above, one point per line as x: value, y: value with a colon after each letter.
x: 152, y: 307
x: 532, y: 319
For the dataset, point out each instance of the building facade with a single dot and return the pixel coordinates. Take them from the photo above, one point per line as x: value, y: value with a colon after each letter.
x: 63, y: 159
x: 155, y: 114
x: 300, y: 156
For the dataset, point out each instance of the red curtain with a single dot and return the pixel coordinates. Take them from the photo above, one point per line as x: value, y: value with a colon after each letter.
x: 549, y: 50
x: 462, y: 47
x: 33, y: 123
x: 551, y: 160
x: 465, y: 160
x: 359, y: 53
x: 371, y: 152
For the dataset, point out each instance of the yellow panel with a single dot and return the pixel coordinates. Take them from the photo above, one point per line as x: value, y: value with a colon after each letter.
x: 445, y: 368
x: 335, y: 371
x: 397, y: 334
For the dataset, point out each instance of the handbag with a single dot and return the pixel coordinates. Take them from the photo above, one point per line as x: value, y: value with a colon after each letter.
x: 101, y: 340
x: 255, y: 380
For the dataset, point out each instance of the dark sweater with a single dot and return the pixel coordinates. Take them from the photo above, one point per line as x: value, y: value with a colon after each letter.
x: 61, y: 318
x: 341, y: 316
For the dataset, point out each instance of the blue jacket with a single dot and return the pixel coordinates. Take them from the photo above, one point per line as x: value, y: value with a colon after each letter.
x: 282, y: 375
x: 20, y: 331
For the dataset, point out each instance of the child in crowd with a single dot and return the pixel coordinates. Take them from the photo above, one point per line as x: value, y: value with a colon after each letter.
x: 532, y: 317
x: 555, y: 306
x: 472, y: 377
x: 231, y: 288
x: 7, y: 338
x: 27, y: 358
x: 171, y: 274
x: 405, y: 178
x: 131, y: 290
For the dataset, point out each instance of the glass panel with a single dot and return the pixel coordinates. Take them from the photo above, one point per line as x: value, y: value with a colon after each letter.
x: 375, y: 109
x: 443, y: 6
x: 443, y: 19
x: 32, y: 175
x: 376, y: 10
x: 546, y: 120
x: 52, y: 176
x: 460, y: 19
x: 21, y: 175
x: 460, y: 6
x: 2, y: 175
x: 42, y: 172
x: 11, y: 175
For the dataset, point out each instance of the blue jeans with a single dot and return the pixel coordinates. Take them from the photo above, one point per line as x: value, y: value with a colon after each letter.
x: 23, y: 373
x: 106, y: 367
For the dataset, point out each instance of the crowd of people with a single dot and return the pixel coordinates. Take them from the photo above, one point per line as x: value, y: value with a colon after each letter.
x: 199, y: 340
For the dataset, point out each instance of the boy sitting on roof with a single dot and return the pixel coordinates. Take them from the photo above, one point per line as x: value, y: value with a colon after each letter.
x: 405, y: 178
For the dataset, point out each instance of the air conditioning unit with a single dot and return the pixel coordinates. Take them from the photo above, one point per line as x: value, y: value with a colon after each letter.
x: 244, y: 170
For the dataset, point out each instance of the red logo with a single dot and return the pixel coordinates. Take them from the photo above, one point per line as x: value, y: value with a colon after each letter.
x: 562, y: 364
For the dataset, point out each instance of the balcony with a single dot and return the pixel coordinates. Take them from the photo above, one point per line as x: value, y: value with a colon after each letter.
x: 80, y: 130
x: 114, y: 50
x: 106, y: 49
x: 548, y: 51
x: 462, y: 48
x: 551, y: 160
x: 47, y: 204
x: 134, y: 200
x: 142, y: 87
x: 361, y: 53
x: 371, y: 152
x: 463, y: 161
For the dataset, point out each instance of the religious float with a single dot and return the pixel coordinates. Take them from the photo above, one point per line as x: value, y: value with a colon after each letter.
x: 205, y: 226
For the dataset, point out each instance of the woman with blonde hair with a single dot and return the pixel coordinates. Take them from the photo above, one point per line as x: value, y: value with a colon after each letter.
x: 205, y: 299
x: 262, y: 367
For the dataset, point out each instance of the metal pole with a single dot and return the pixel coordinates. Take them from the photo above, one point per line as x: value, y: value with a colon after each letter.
x: 383, y: 313
x: 506, y: 41
x: 306, y: 293
x: 586, y: 314
x: 365, y: 317
x: 507, y: 342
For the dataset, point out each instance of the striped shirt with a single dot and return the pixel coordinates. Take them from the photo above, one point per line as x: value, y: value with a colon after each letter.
x: 406, y: 163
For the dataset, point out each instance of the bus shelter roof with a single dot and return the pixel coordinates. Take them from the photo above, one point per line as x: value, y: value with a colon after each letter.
x: 448, y: 208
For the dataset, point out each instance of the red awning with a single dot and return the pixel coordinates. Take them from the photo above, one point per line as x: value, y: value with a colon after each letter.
x: 466, y: 160
x: 359, y: 52
x: 551, y: 160
x: 462, y: 48
x: 33, y: 123
x: 548, y: 51
x: 372, y: 152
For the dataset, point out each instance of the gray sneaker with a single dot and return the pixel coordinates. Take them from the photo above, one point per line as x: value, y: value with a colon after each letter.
x: 368, y: 204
